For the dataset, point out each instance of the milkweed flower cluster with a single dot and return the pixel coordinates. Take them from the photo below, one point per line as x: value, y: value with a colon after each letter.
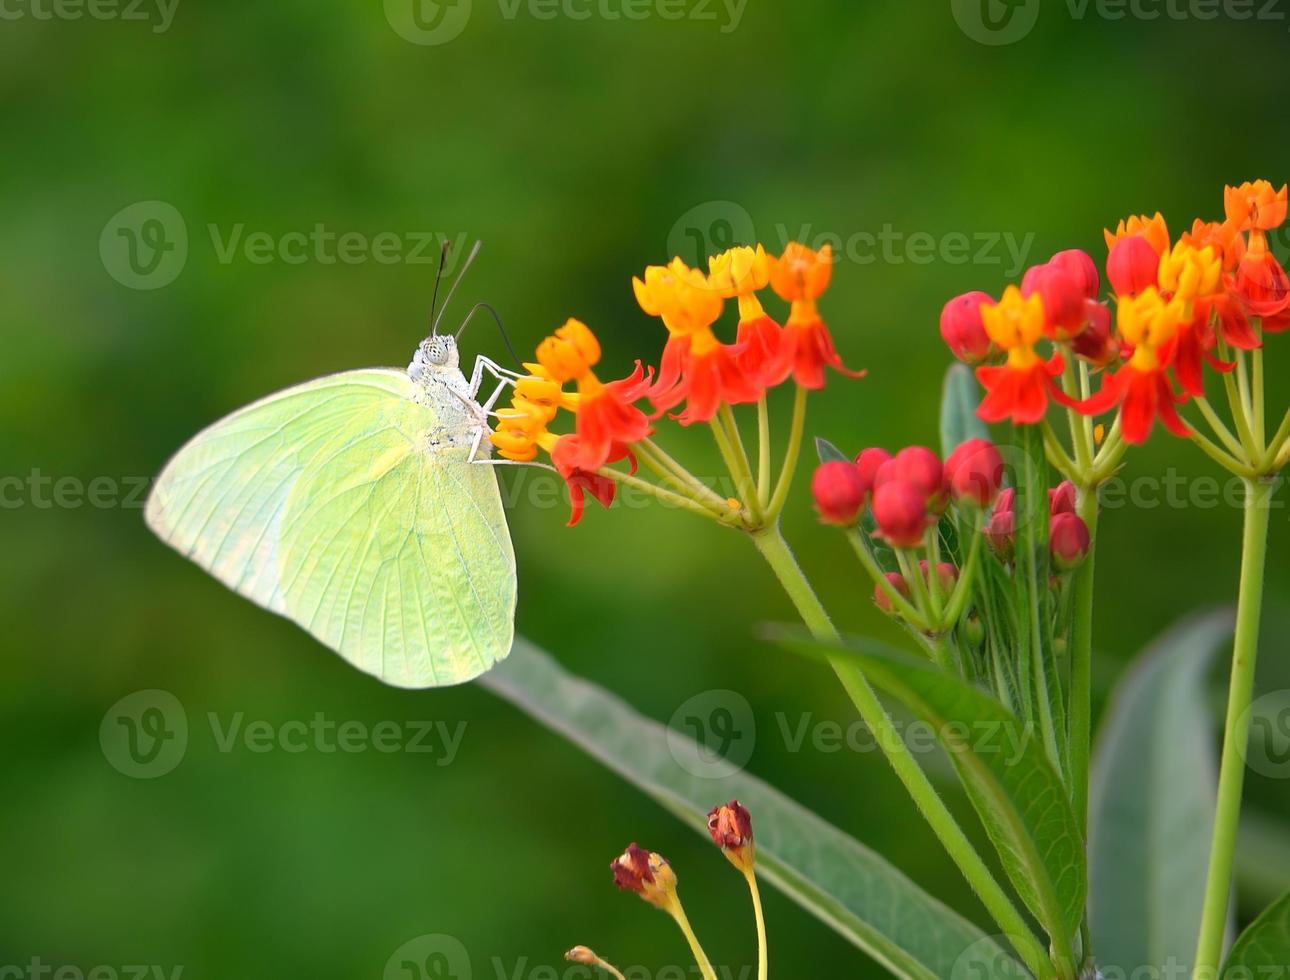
x: 1179, y: 305
x: 700, y: 377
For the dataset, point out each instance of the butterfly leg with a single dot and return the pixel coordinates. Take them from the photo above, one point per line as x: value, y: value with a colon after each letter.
x: 482, y: 364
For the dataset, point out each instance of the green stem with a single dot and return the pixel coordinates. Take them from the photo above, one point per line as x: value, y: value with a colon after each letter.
x: 790, y: 456
x: 1260, y: 430
x: 1081, y: 665
x: 770, y: 542
x: 1258, y: 497
x: 656, y: 457
x: 1278, y: 442
x: 661, y: 493
x: 731, y: 446
x: 898, y: 602
x: 763, y: 452
x: 687, y: 488
x: 1220, y: 429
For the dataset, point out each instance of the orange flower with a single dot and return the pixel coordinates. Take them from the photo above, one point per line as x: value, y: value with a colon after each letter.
x: 696, y: 367
x: 765, y: 352
x: 1154, y: 229
x: 1223, y: 236
x: 1149, y: 324
x: 800, y: 276
x: 1193, y: 277
x: 1255, y: 206
x: 1260, y: 283
x: 1020, y: 388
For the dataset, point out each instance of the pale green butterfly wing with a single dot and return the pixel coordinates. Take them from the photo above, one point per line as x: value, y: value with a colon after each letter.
x: 331, y: 503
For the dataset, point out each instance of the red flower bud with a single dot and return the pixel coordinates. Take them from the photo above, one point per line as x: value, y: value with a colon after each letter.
x: 1001, y: 529
x: 974, y: 472
x: 1081, y: 265
x: 919, y: 466
x: 880, y: 594
x: 900, y: 510
x: 869, y: 462
x: 647, y: 874
x: 1062, y: 292
x: 1068, y: 540
x: 731, y: 829
x: 1095, y: 344
x: 962, y: 329
x: 1132, y: 265
x: 839, y: 492
x: 1062, y: 498
x: 946, y: 575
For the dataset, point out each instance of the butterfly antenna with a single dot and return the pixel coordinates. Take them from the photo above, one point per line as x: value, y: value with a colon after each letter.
x: 510, y: 349
x: 434, y: 298
x: 434, y: 326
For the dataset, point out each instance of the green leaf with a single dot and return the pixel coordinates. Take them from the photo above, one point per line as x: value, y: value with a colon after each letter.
x: 850, y: 888
x: 1151, y: 806
x: 1017, y: 793
x: 828, y: 452
x: 959, y: 401
x: 1262, y: 950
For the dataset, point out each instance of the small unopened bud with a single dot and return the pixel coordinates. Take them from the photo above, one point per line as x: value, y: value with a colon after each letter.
x: 1095, y: 344
x: 839, y: 492
x: 731, y: 828
x: 975, y: 630
x: 880, y: 594
x: 869, y: 462
x: 962, y: 329
x: 1068, y: 539
x: 587, y: 957
x: 974, y: 472
x: 919, y: 466
x: 1063, y: 294
x: 900, y: 511
x: 647, y: 874
x: 1132, y: 265
x: 1001, y: 529
x: 946, y: 576
x: 1062, y: 498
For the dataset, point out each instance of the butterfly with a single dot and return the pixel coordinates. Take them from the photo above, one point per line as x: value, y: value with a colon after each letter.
x: 356, y: 506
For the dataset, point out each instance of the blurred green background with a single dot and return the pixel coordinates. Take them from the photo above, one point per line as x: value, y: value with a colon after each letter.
x: 578, y: 149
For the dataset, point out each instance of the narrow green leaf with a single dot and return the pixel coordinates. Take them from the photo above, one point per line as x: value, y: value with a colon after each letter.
x: 1262, y: 950
x: 1151, y: 804
x: 1017, y: 793
x: 850, y: 888
x: 959, y: 400
x: 828, y: 452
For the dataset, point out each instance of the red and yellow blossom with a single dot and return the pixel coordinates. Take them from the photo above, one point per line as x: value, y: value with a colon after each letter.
x: 1193, y: 278
x: 1149, y: 325
x: 605, y: 413
x: 1259, y: 282
x: 1018, y: 389
x: 800, y: 276
x: 696, y: 367
x: 1134, y: 251
x: 606, y: 420
x: 765, y: 353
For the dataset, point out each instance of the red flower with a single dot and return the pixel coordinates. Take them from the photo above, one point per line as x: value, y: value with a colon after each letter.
x: 1020, y: 388
x: 900, y: 511
x: 839, y: 491
x: 607, y: 418
x: 962, y: 329
x: 800, y: 276
x: 1064, y: 292
x: 1260, y: 283
x: 974, y: 472
x: 764, y: 351
x: 565, y: 455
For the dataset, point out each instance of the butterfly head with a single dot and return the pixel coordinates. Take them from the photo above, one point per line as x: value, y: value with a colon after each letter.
x: 435, y: 354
